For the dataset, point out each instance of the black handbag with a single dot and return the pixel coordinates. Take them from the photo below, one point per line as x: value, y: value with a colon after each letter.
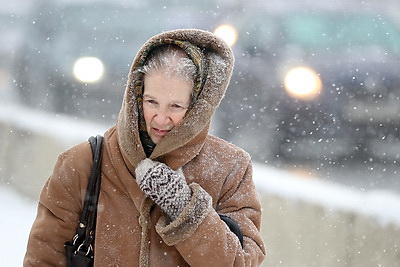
x: 79, y: 250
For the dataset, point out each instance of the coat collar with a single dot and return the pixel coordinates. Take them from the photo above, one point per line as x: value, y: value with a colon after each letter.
x: 123, y: 168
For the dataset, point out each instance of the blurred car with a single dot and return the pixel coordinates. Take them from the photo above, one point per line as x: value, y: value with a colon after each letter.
x: 322, y: 85
x: 77, y: 55
x: 356, y: 59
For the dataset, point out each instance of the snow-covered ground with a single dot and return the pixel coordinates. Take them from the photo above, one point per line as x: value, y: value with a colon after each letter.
x: 18, y: 212
x: 17, y: 215
x: 382, y: 205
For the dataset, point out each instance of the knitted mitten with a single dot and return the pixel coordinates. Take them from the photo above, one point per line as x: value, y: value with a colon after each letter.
x: 166, y: 187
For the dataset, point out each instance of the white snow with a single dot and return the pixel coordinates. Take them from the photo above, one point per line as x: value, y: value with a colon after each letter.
x: 68, y: 129
x: 17, y: 217
x: 18, y: 212
x: 384, y: 206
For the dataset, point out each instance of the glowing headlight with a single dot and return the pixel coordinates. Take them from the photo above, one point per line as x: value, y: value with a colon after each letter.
x: 228, y: 33
x: 303, y: 83
x: 88, y: 69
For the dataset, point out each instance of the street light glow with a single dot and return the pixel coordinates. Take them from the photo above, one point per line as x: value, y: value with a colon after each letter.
x: 303, y: 83
x: 88, y: 69
x: 228, y: 33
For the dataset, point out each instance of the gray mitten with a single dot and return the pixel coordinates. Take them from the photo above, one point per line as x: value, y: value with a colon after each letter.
x: 166, y: 187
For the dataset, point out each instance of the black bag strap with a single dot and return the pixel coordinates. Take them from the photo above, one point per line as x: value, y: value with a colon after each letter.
x: 233, y: 226
x: 87, y: 223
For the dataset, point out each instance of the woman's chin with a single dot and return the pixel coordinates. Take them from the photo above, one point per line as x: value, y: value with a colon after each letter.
x: 156, y: 139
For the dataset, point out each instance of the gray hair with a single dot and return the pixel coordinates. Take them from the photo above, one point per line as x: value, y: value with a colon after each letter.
x: 173, y: 61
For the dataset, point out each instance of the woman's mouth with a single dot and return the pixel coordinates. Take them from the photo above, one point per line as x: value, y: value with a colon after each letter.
x: 160, y: 132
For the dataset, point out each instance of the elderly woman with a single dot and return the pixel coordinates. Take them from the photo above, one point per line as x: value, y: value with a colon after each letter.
x: 167, y: 186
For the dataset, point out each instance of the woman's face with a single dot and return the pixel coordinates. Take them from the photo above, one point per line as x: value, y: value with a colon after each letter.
x: 166, y: 99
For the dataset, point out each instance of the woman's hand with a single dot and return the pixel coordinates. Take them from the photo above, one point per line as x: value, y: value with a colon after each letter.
x: 166, y: 187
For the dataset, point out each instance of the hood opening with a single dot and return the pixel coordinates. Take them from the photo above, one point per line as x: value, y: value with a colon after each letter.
x: 186, y: 139
x: 194, y: 53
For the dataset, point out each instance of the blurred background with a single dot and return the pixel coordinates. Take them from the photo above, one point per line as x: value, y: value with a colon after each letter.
x: 315, y: 90
x: 315, y: 87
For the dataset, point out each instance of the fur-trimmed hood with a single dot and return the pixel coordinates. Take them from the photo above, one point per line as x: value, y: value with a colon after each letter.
x: 185, y: 140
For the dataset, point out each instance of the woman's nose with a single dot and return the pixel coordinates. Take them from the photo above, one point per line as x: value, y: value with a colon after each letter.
x: 162, y: 117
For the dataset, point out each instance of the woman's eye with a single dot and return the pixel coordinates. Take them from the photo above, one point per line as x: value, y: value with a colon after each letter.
x: 177, y: 107
x: 150, y: 101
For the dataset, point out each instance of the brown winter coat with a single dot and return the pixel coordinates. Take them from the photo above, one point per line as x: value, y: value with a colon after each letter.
x: 131, y: 230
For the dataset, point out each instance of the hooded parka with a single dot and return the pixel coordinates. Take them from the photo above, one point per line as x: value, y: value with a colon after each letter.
x: 131, y: 230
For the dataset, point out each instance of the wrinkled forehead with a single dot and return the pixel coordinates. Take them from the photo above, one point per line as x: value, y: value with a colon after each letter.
x: 167, y: 89
x: 192, y: 51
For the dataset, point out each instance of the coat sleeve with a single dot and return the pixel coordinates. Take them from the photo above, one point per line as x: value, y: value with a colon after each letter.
x: 200, y: 235
x: 60, y: 204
